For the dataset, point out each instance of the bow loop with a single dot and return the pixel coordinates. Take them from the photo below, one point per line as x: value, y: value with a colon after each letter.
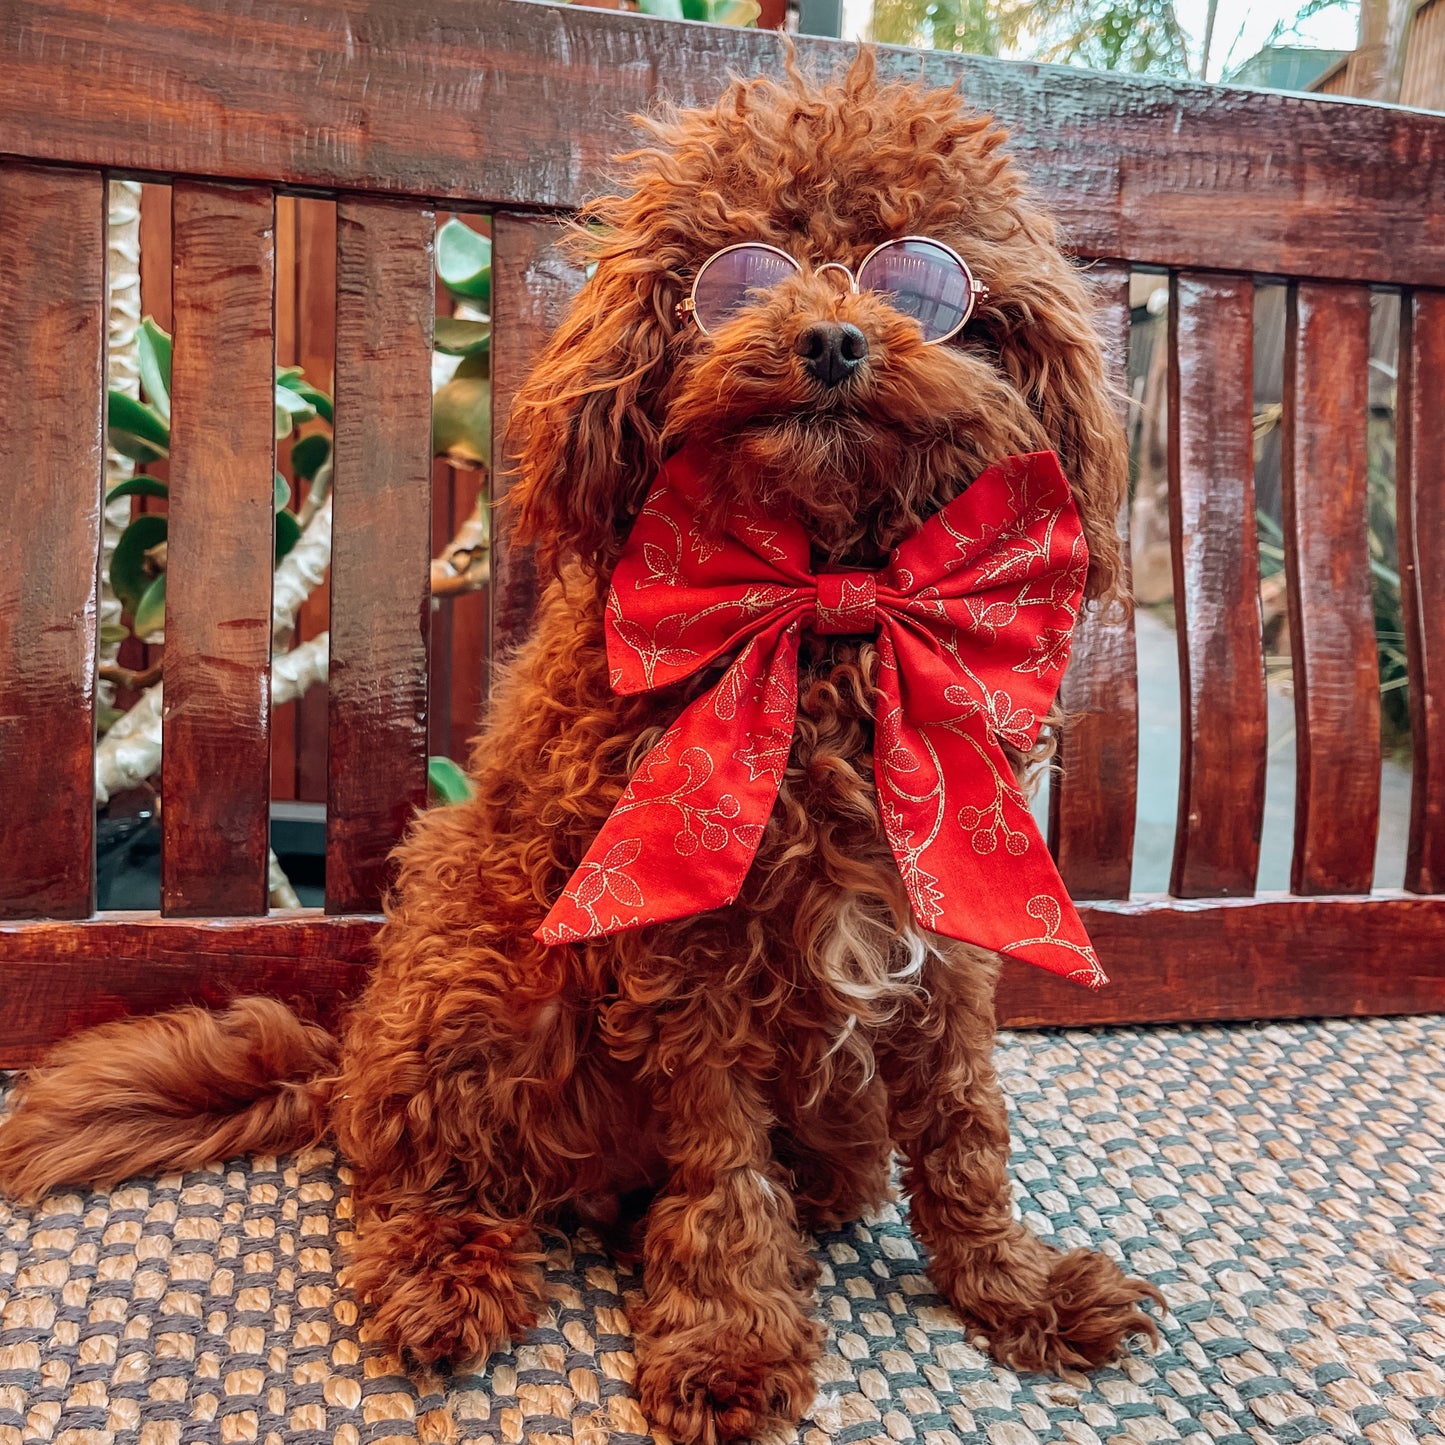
x: 974, y: 615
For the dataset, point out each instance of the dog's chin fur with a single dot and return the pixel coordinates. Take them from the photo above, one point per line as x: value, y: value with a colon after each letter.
x: 755, y: 1065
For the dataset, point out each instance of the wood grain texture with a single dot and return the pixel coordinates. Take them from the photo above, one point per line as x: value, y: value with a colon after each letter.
x: 1420, y: 502
x: 381, y: 553
x: 1092, y: 801
x: 58, y: 978
x: 1331, y: 618
x: 1266, y: 957
x: 216, y: 770
x: 316, y: 354
x: 283, y: 718
x: 532, y: 286
x: 52, y: 369
x: 511, y: 105
x: 1223, y: 705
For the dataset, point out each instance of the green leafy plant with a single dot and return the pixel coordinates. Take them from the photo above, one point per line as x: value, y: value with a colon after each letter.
x: 141, y: 430
x: 462, y: 404
x: 446, y: 782
x: 741, y: 13
x: 1384, y: 581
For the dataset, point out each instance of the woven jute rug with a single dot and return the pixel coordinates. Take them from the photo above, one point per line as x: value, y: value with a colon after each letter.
x: 1283, y: 1185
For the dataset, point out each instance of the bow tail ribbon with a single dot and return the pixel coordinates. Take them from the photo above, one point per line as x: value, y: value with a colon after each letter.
x: 700, y: 799
x: 972, y: 860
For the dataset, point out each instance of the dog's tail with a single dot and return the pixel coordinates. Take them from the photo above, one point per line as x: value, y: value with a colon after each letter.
x: 175, y: 1091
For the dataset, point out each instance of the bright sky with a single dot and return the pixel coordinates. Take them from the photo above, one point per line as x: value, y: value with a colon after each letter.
x: 1241, y: 27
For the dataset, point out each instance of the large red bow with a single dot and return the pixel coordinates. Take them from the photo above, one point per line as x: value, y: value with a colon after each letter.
x: 974, y: 615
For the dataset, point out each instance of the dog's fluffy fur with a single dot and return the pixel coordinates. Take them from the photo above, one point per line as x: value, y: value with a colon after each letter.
x: 756, y: 1065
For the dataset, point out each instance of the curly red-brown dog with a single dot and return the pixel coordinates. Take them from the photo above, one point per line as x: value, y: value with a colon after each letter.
x: 755, y: 1066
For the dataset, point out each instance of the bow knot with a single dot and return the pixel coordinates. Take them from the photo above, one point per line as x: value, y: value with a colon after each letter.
x: 974, y: 614
x: 846, y: 604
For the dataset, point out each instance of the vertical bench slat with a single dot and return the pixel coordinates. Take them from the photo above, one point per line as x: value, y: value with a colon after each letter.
x: 532, y: 286
x: 1224, y: 716
x: 1331, y: 619
x: 52, y: 371
x: 215, y: 763
x: 1420, y: 501
x: 1092, y: 803
x: 380, y: 563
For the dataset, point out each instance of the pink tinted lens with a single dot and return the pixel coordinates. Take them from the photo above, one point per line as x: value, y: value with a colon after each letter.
x: 922, y: 280
x: 730, y: 280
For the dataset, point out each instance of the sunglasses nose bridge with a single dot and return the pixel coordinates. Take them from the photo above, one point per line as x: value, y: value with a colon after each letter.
x: 843, y: 270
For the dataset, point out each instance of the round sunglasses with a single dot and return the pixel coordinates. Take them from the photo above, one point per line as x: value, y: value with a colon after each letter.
x: 918, y: 276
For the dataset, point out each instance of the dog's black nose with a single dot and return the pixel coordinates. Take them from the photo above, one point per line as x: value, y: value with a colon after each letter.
x: 832, y: 350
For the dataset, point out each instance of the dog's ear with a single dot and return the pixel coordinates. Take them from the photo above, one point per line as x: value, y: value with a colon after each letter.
x: 1042, y: 324
x: 585, y: 424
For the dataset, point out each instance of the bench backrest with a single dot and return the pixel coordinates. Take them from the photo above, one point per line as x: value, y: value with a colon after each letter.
x: 396, y: 108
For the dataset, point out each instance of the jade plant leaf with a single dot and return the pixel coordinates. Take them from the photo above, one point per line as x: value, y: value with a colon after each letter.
x: 288, y: 534
x: 446, y: 782
x: 128, y: 575
x: 464, y: 261
x: 309, y: 455
x: 136, y: 430
x: 457, y: 337
x: 150, y: 611
x: 138, y: 487
x: 153, y: 348
x: 462, y: 420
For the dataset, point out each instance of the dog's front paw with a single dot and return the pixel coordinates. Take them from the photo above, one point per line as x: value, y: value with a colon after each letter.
x: 1080, y: 1319
x: 446, y: 1289
x: 706, y: 1385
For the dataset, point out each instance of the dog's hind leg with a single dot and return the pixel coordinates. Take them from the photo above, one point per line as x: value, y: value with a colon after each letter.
x: 1040, y: 1309
x: 725, y: 1340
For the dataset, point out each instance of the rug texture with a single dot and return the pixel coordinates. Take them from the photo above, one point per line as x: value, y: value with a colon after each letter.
x: 1283, y: 1185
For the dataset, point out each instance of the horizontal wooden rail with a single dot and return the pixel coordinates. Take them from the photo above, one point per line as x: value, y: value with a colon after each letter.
x: 496, y: 103
x: 1272, y: 956
x: 58, y: 978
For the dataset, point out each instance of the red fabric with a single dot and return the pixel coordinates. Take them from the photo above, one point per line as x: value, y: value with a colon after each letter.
x: 974, y: 615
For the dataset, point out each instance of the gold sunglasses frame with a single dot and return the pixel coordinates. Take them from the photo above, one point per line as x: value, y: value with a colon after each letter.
x: 976, y: 289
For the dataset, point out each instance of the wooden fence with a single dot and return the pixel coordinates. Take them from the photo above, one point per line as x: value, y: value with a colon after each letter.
x: 395, y: 110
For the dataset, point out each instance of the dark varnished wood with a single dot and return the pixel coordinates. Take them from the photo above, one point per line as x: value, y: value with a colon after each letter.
x: 1332, y: 627
x: 1271, y: 956
x: 532, y: 286
x: 215, y: 765
x: 496, y: 103
x: 1267, y: 957
x: 1092, y: 803
x: 52, y: 367
x: 316, y: 354
x: 1223, y: 705
x: 57, y: 978
x: 1420, y: 499
x: 381, y: 552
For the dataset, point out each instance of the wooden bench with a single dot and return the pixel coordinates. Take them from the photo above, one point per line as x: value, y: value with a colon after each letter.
x: 394, y: 109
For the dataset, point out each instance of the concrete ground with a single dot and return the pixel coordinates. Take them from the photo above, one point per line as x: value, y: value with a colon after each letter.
x: 1159, y: 779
